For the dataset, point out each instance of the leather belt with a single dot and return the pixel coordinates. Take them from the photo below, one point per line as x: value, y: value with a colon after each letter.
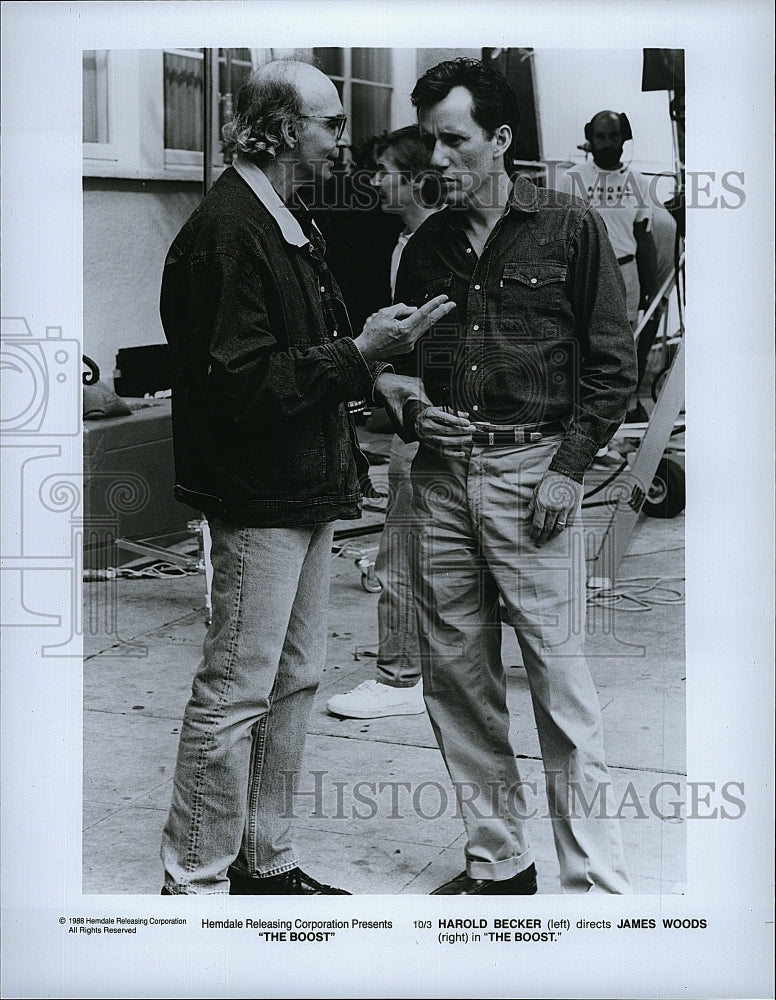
x: 626, y: 259
x: 522, y: 434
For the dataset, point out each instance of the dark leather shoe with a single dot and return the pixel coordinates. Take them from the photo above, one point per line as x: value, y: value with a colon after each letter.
x: 522, y: 884
x: 293, y: 883
x: 165, y: 891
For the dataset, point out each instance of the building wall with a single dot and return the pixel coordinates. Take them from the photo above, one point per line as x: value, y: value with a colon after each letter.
x: 572, y: 85
x: 408, y: 66
x: 128, y: 227
x: 129, y: 224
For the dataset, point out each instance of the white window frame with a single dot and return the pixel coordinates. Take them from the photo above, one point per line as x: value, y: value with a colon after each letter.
x: 136, y: 116
x: 103, y: 150
x: 118, y: 156
x: 136, y: 119
x: 347, y: 79
x: 174, y: 158
x: 404, y: 70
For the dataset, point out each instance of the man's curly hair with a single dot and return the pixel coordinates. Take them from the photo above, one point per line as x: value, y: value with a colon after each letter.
x: 265, y: 104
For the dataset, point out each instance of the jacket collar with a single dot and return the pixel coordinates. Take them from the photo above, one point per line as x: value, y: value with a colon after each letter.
x: 259, y: 183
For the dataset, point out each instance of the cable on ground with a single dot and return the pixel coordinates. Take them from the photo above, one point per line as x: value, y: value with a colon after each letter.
x: 636, y: 593
x: 156, y: 571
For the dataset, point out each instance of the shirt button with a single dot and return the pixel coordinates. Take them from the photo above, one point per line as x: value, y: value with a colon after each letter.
x: 476, y: 288
x: 476, y: 326
x: 533, y: 281
x: 468, y: 249
x: 475, y: 407
x: 323, y: 288
x: 334, y: 334
x: 474, y: 368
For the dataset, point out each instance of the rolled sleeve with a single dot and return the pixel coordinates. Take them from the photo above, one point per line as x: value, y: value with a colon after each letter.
x: 376, y: 371
x: 351, y: 366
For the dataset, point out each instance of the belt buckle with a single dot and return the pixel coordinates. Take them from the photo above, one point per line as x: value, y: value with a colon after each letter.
x: 535, y: 436
x: 491, y: 437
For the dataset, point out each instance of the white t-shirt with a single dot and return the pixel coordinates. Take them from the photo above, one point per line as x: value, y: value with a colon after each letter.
x: 621, y: 197
x: 401, y: 243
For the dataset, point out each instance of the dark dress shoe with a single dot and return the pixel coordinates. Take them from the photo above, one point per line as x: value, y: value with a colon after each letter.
x: 522, y: 884
x: 293, y: 883
x: 165, y: 891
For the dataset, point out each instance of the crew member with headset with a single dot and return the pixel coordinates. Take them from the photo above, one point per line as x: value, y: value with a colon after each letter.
x: 621, y: 195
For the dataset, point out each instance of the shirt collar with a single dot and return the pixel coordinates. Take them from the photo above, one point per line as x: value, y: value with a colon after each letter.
x: 259, y: 183
x: 524, y: 197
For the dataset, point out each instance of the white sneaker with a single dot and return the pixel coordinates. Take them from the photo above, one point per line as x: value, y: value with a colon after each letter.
x: 373, y: 700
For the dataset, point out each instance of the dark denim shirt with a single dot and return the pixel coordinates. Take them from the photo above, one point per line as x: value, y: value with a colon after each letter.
x: 263, y: 367
x: 540, y: 333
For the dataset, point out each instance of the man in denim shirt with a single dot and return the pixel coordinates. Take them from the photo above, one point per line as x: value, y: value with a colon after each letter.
x: 528, y: 377
x: 264, y: 368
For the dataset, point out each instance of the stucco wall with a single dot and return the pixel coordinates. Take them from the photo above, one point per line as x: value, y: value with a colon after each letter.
x: 128, y: 227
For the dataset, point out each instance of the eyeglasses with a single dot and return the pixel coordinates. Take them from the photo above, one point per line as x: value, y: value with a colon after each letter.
x: 338, y: 121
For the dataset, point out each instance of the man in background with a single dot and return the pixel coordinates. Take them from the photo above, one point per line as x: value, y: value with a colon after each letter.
x: 359, y: 235
x: 401, y: 180
x: 621, y: 196
x: 641, y: 230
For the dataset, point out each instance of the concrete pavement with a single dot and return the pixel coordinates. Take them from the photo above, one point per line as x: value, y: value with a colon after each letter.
x: 382, y: 816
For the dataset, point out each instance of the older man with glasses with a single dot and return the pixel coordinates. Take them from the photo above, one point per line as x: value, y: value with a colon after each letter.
x: 264, y: 366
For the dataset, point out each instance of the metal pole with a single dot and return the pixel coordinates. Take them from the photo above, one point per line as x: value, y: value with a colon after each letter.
x: 207, y: 120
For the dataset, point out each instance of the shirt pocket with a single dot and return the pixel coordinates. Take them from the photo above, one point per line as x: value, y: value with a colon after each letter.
x: 439, y: 284
x: 532, y: 298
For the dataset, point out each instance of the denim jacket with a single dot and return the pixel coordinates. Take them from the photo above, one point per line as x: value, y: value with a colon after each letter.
x: 261, y: 431
x: 540, y: 333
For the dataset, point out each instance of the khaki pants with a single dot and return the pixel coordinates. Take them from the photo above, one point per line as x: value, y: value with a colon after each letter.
x: 472, y: 552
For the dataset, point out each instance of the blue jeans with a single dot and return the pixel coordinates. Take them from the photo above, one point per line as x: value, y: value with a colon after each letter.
x: 244, y: 727
x: 473, y: 552
x: 398, y: 655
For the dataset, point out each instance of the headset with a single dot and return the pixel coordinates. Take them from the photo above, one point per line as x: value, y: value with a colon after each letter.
x: 625, y: 126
